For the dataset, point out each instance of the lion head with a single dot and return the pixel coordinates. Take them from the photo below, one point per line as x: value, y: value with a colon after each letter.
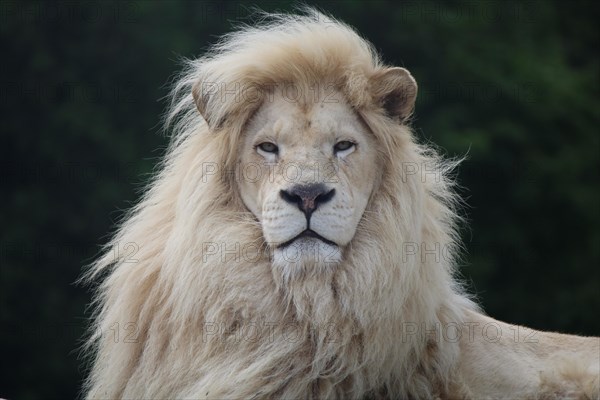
x: 307, y: 162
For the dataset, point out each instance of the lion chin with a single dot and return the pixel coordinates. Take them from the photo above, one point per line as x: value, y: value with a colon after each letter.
x: 306, y: 253
x: 299, y: 243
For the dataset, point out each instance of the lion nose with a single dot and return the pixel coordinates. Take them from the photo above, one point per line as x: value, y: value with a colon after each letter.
x: 308, y: 197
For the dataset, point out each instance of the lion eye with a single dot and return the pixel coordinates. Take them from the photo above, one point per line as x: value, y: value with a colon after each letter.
x: 268, y: 147
x: 342, y: 146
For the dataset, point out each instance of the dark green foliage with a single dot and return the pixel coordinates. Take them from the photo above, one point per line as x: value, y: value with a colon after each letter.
x: 513, y: 84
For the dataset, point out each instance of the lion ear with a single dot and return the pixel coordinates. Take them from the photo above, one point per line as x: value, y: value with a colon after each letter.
x: 217, y: 106
x: 396, y: 91
x: 201, y: 98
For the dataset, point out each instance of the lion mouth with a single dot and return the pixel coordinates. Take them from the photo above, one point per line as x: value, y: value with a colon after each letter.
x: 308, y: 233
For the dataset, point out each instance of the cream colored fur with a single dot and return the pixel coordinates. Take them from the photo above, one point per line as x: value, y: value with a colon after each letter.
x: 208, y: 308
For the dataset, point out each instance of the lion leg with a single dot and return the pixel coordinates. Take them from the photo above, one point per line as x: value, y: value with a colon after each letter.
x: 502, y: 361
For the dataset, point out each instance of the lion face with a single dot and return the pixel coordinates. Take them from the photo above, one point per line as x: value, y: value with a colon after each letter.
x: 307, y: 171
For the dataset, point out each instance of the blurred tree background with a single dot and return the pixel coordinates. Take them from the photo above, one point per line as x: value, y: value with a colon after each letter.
x: 514, y: 85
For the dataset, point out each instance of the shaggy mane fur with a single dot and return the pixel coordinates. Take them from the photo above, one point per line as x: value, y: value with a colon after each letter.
x: 227, y: 325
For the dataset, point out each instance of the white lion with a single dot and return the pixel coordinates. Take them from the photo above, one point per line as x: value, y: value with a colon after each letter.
x: 298, y: 243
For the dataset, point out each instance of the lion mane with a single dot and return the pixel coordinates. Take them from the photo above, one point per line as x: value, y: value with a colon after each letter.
x: 199, y: 323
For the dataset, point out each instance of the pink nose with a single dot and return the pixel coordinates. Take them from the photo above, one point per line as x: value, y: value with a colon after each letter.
x: 308, y: 197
